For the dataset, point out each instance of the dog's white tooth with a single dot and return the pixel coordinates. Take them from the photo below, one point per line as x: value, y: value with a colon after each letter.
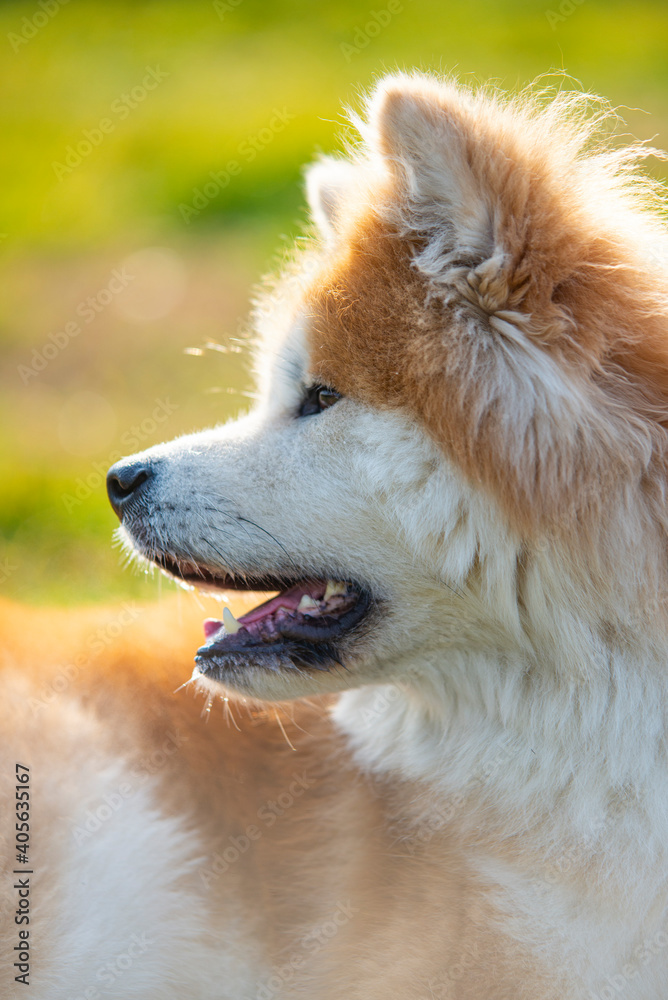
x: 307, y: 603
x: 334, y: 588
x: 229, y: 621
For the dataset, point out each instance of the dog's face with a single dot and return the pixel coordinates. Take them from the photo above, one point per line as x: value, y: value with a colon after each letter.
x: 340, y: 506
x: 430, y: 445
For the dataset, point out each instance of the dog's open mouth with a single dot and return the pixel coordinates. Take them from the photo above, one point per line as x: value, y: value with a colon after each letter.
x: 313, y: 611
x: 304, y: 623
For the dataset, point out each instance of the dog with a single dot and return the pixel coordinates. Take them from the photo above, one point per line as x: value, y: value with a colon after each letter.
x: 435, y: 763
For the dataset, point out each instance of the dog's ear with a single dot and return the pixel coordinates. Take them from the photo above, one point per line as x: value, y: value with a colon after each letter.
x: 328, y: 186
x: 422, y: 130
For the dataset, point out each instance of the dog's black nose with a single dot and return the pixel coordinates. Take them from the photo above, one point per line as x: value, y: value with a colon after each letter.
x: 125, y: 481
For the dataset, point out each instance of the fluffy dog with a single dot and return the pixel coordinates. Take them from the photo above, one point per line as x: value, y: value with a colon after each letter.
x: 455, y: 481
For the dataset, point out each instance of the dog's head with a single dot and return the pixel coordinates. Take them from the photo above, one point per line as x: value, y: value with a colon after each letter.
x: 460, y: 436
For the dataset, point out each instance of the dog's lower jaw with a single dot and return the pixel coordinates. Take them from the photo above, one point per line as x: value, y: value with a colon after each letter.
x: 248, y: 680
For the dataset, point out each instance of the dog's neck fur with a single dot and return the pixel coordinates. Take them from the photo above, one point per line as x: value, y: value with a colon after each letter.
x: 508, y: 754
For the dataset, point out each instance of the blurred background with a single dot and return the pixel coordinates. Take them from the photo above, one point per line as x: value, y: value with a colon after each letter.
x: 152, y: 172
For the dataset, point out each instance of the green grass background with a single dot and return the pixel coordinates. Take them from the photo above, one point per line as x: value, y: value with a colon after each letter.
x: 229, y: 66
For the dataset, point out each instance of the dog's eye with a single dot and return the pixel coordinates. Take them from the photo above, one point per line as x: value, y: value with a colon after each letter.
x: 317, y: 399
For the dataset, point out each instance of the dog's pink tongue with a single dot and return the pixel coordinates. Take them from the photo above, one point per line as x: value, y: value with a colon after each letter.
x: 211, y: 626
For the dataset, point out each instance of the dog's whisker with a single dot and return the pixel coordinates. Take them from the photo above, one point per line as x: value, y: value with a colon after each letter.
x: 280, y: 724
x: 273, y: 538
x: 229, y: 714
